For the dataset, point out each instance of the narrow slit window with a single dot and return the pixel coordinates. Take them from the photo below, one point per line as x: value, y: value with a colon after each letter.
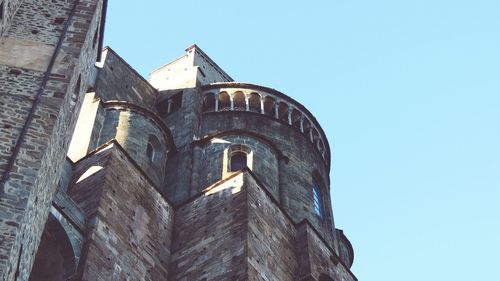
x: 150, y: 152
x: 318, y: 206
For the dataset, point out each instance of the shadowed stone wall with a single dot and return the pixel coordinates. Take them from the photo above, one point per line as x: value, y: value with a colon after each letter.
x: 130, y: 223
x: 26, y: 49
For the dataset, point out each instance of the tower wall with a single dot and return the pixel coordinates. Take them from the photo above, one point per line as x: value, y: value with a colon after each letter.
x: 118, y: 81
x: 140, y: 135
x: 214, y: 163
x: 295, y: 174
x: 130, y: 223
x: 45, y: 69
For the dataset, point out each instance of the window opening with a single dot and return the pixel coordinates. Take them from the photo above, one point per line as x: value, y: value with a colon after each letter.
x: 318, y: 206
x: 209, y: 103
x: 238, y: 161
x: 170, y: 105
x: 152, y: 148
x: 150, y: 152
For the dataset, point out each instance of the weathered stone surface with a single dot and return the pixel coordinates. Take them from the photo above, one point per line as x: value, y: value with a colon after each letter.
x: 130, y: 223
x: 26, y: 195
x: 148, y: 192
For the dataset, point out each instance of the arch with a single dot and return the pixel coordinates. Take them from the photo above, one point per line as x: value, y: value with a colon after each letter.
x: 224, y: 102
x: 239, y: 101
x: 306, y: 125
x: 324, y: 277
x: 55, y: 259
x: 263, y: 138
x: 296, y: 118
x: 254, y: 102
x: 321, y: 146
x: 283, y: 112
x: 153, y: 149
x: 269, y: 106
x: 239, y: 156
x: 124, y: 106
x: 315, y: 136
x: 209, y: 102
x: 237, y: 161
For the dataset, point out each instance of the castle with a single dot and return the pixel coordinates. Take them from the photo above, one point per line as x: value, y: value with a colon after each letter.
x: 189, y: 176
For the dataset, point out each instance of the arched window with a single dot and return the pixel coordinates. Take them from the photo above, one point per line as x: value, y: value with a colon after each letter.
x: 152, y: 148
x: 209, y: 103
x: 239, y: 101
x: 296, y: 116
x: 254, y: 102
x: 269, y: 106
x: 224, y: 102
x: 283, y: 112
x: 317, y: 200
x: 238, y: 156
x: 238, y: 161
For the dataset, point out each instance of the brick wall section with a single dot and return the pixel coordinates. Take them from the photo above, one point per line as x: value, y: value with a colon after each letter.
x: 296, y: 175
x: 116, y: 80
x: 28, y: 192
x: 210, y: 235
x: 271, y: 244
x: 130, y: 224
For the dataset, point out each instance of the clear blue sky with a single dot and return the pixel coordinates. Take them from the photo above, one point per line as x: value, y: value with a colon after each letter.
x: 408, y: 93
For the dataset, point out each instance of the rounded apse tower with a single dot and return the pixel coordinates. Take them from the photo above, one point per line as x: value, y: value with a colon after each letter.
x: 221, y: 126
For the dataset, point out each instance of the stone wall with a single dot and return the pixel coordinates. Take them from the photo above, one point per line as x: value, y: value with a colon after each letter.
x: 116, y: 80
x: 133, y: 130
x: 26, y: 49
x: 317, y: 258
x: 9, y: 10
x: 210, y: 235
x: 184, y: 125
x: 214, y: 160
x: 130, y: 224
x: 271, y: 244
x: 295, y: 174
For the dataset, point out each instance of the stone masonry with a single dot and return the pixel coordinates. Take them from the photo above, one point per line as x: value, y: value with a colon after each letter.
x: 189, y: 176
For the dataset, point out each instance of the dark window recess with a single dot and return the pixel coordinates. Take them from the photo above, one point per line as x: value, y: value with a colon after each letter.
x: 238, y: 161
x: 170, y: 105
x: 150, y: 152
x: 1, y: 10
x: 96, y: 36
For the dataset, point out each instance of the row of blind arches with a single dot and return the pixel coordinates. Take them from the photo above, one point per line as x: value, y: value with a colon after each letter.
x: 267, y: 105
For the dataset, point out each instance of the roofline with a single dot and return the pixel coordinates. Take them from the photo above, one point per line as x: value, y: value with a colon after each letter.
x: 279, y: 94
x: 108, y: 48
x: 204, y: 55
x: 213, y: 63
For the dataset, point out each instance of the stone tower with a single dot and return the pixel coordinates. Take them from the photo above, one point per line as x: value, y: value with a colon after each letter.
x: 189, y: 176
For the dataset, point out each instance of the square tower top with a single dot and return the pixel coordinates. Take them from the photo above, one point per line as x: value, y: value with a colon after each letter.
x: 195, y: 67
